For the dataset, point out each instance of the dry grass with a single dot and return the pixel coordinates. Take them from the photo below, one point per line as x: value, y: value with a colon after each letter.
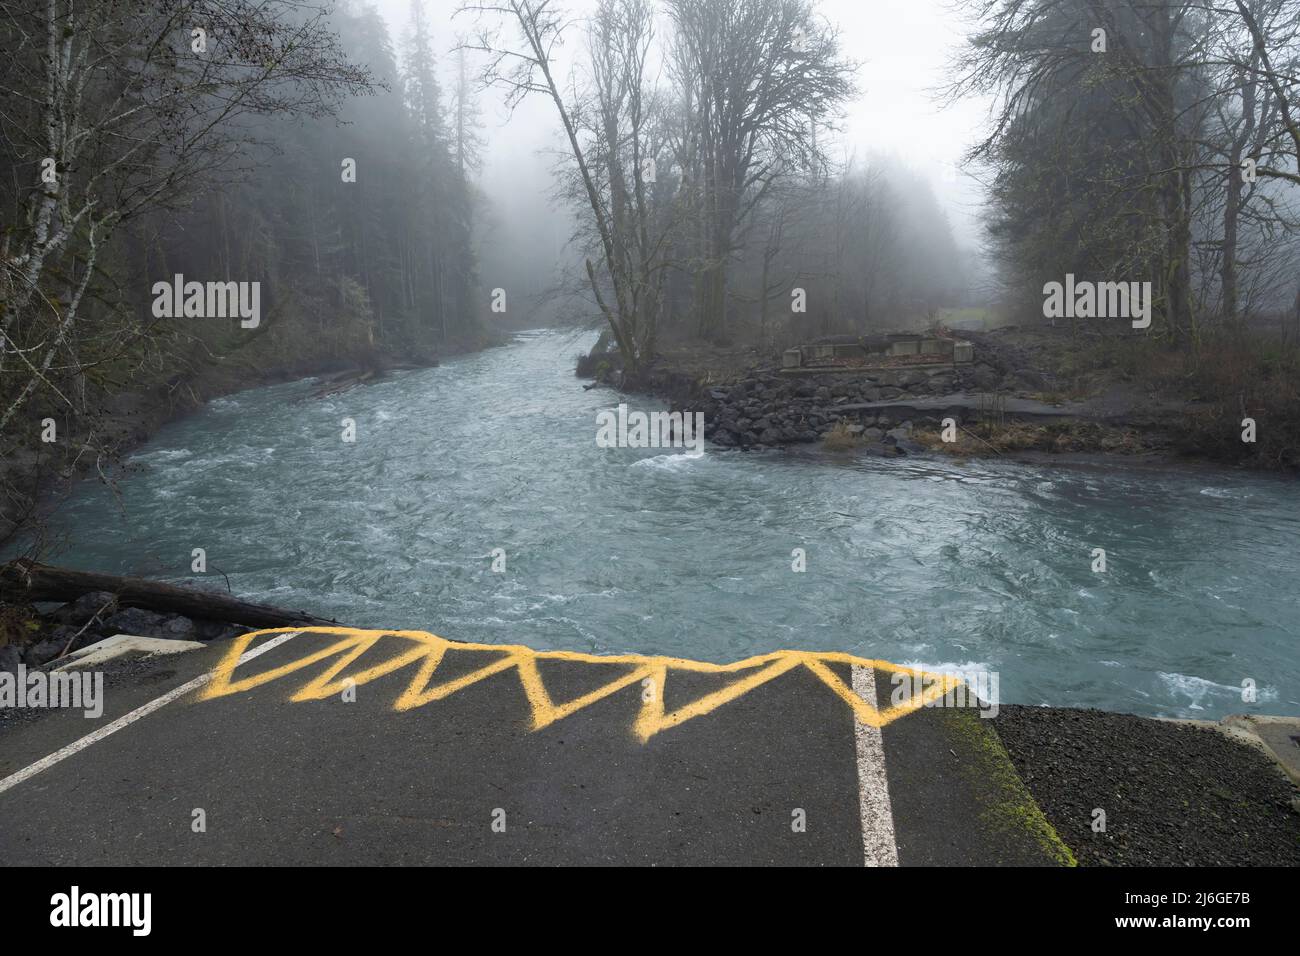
x: 982, y: 441
x: 1234, y: 378
x: 839, y: 438
x: 1222, y: 376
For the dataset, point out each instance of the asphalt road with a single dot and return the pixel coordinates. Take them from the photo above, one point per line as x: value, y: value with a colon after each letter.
x: 500, y: 759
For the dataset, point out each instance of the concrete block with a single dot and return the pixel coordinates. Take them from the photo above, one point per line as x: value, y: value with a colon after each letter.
x: 119, y: 644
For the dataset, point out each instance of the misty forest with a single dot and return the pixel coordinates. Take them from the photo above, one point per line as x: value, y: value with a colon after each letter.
x: 697, y: 178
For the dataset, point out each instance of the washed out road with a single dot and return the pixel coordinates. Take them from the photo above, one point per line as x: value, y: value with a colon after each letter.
x: 373, y: 747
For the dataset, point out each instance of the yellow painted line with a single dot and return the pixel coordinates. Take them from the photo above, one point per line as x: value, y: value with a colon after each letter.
x: 650, y: 674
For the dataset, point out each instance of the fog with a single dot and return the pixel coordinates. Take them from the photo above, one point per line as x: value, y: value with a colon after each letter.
x: 904, y: 49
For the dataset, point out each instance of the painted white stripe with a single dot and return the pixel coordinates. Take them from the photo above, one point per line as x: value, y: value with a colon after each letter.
x: 878, y: 845
x: 126, y: 720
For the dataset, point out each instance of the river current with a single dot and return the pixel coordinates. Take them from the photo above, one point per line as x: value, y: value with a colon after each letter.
x: 980, y: 565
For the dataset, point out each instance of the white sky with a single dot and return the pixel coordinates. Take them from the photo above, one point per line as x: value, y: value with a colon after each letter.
x: 903, y: 46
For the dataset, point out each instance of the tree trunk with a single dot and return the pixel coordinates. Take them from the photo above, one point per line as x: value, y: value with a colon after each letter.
x: 27, y: 581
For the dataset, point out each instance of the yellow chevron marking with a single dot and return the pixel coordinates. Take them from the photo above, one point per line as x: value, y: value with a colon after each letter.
x: 650, y: 674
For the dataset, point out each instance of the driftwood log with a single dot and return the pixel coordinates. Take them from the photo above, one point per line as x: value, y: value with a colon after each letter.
x: 28, y: 581
x: 343, y: 382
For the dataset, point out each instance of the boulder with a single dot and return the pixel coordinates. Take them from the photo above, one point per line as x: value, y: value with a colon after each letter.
x: 83, y: 608
x: 134, y: 620
x: 178, y: 628
x: 66, y: 635
x: 215, y: 630
x: 42, y: 653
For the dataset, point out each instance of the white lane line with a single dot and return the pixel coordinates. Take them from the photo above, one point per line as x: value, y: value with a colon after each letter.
x: 126, y: 720
x: 878, y: 845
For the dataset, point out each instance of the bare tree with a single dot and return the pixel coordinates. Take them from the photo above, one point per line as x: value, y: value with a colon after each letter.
x: 609, y: 129
x: 756, y: 79
x: 1274, y: 60
x: 1201, y: 89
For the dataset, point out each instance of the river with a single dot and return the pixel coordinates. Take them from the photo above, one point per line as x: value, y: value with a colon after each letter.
x: 982, y: 565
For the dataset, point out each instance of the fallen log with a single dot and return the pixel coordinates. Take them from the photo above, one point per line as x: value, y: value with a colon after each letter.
x: 345, y: 381
x: 28, y: 581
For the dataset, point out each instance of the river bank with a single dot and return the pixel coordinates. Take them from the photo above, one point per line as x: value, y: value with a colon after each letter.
x: 1022, y: 395
x: 34, y: 638
x: 47, y: 612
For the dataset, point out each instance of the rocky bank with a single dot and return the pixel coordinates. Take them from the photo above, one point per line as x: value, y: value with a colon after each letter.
x: 35, y: 639
x: 1002, y: 400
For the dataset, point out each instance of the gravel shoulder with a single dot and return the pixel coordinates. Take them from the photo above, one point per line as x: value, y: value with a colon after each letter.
x: 1173, y: 794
